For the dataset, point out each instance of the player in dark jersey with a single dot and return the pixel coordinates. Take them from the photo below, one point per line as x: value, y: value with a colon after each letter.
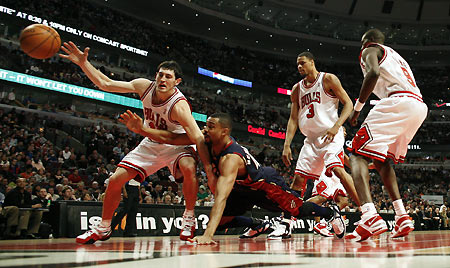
x: 241, y: 181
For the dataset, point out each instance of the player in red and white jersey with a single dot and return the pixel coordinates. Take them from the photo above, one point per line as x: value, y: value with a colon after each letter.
x: 386, y: 131
x: 327, y: 189
x: 314, y: 110
x: 165, y: 108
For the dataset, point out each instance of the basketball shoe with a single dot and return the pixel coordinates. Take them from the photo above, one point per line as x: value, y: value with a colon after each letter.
x: 187, y: 228
x: 255, y: 232
x: 323, y: 228
x: 337, y: 222
x: 97, y: 233
x: 369, y: 225
x: 282, y: 229
x: 403, y: 226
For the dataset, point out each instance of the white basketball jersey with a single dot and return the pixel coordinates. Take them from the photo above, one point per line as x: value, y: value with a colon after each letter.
x: 157, y: 116
x: 318, y: 110
x: 395, y: 74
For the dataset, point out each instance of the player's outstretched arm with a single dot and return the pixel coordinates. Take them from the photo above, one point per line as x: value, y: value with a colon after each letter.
x: 291, y: 127
x: 181, y: 112
x: 228, y: 167
x: 135, y: 123
x: 333, y: 85
x: 75, y: 55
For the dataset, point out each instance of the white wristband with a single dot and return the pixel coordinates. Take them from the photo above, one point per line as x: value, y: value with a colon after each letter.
x: 358, y: 105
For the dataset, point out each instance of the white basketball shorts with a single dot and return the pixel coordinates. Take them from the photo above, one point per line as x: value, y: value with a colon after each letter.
x: 148, y: 157
x: 316, y: 155
x: 328, y: 187
x: 389, y: 128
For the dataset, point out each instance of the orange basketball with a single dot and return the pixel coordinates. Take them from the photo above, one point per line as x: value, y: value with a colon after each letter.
x: 39, y: 41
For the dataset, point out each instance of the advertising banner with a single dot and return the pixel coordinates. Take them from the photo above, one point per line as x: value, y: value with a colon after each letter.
x: 166, y: 220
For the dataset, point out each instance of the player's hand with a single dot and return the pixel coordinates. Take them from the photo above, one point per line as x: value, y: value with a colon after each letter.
x: 203, y: 240
x: 74, y: 54
x: 287, y: 156
x: 353, y: 118
x: 133, y: 121
x: 329, y: 135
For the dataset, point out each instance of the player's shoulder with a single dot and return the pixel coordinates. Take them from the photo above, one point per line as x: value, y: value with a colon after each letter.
x: 295, y: 90
x: 141, y: 84
x: 329, y: 76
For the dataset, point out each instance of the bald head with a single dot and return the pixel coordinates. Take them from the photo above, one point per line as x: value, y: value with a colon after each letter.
x: 373, y: 35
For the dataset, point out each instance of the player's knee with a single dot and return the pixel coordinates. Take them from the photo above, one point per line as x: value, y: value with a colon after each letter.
x: 188, y: 168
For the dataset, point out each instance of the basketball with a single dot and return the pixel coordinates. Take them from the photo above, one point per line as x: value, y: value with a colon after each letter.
x: 39, y: 41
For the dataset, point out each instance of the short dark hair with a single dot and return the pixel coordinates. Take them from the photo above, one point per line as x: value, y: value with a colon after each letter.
x: 307, y: 54
x: 375, y: 35
x: 224, y: 120
x: 171, y: 65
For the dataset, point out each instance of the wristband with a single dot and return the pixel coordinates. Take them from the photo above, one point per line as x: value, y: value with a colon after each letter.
x: 358, y: 105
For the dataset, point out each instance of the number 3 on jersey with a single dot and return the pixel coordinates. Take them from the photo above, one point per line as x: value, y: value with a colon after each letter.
x: 310, y: 113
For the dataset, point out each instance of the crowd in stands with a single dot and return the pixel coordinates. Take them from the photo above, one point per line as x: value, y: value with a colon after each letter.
x: 264, y: 69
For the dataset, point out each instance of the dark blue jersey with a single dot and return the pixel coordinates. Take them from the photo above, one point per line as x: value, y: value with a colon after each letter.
x: 255, y: 171
x: 261, y: 186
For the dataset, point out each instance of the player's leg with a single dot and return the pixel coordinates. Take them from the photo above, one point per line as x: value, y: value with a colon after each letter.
x: 321, y: 226
x: 309, y: 166
x: 110, y: 204
x: 403, y: 223
x: 347, y: 182
x: 360, y: 174
x: 389, y: 178
x: 371, y: 223
x: 188, y: 167
x: 341, y: 201
x: 114, y: 191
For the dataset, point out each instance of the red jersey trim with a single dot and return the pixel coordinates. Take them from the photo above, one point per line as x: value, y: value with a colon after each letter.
x: 371, y: 44
x: 414, y: 96
x: 310, y: 86
x: 127, y: 165
x: 164, y: 103
x: 147, y: 90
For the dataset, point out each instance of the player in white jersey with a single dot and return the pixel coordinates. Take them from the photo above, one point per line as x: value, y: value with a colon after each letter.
x: 164, y: 108
x: 314, y: 110
x: 386, y: 131
x: 327, y: 189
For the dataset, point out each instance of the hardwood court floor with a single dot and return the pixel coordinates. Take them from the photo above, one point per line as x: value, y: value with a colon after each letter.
x: 420, y: 249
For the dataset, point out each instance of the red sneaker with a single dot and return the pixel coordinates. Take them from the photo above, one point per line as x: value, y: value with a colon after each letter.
x: 323, y: 229
x: 187, y: 228
x: 403, y: 226
x: 93, y: 235
x: 367, y: 227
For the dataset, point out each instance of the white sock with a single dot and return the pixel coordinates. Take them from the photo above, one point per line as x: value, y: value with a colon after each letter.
x: 105, y: 224
x: 398, y: 207
x: 188, y: 212
x: 368, y: 209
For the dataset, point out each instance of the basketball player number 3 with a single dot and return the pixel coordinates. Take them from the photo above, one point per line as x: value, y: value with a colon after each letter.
x: 311, y: 111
